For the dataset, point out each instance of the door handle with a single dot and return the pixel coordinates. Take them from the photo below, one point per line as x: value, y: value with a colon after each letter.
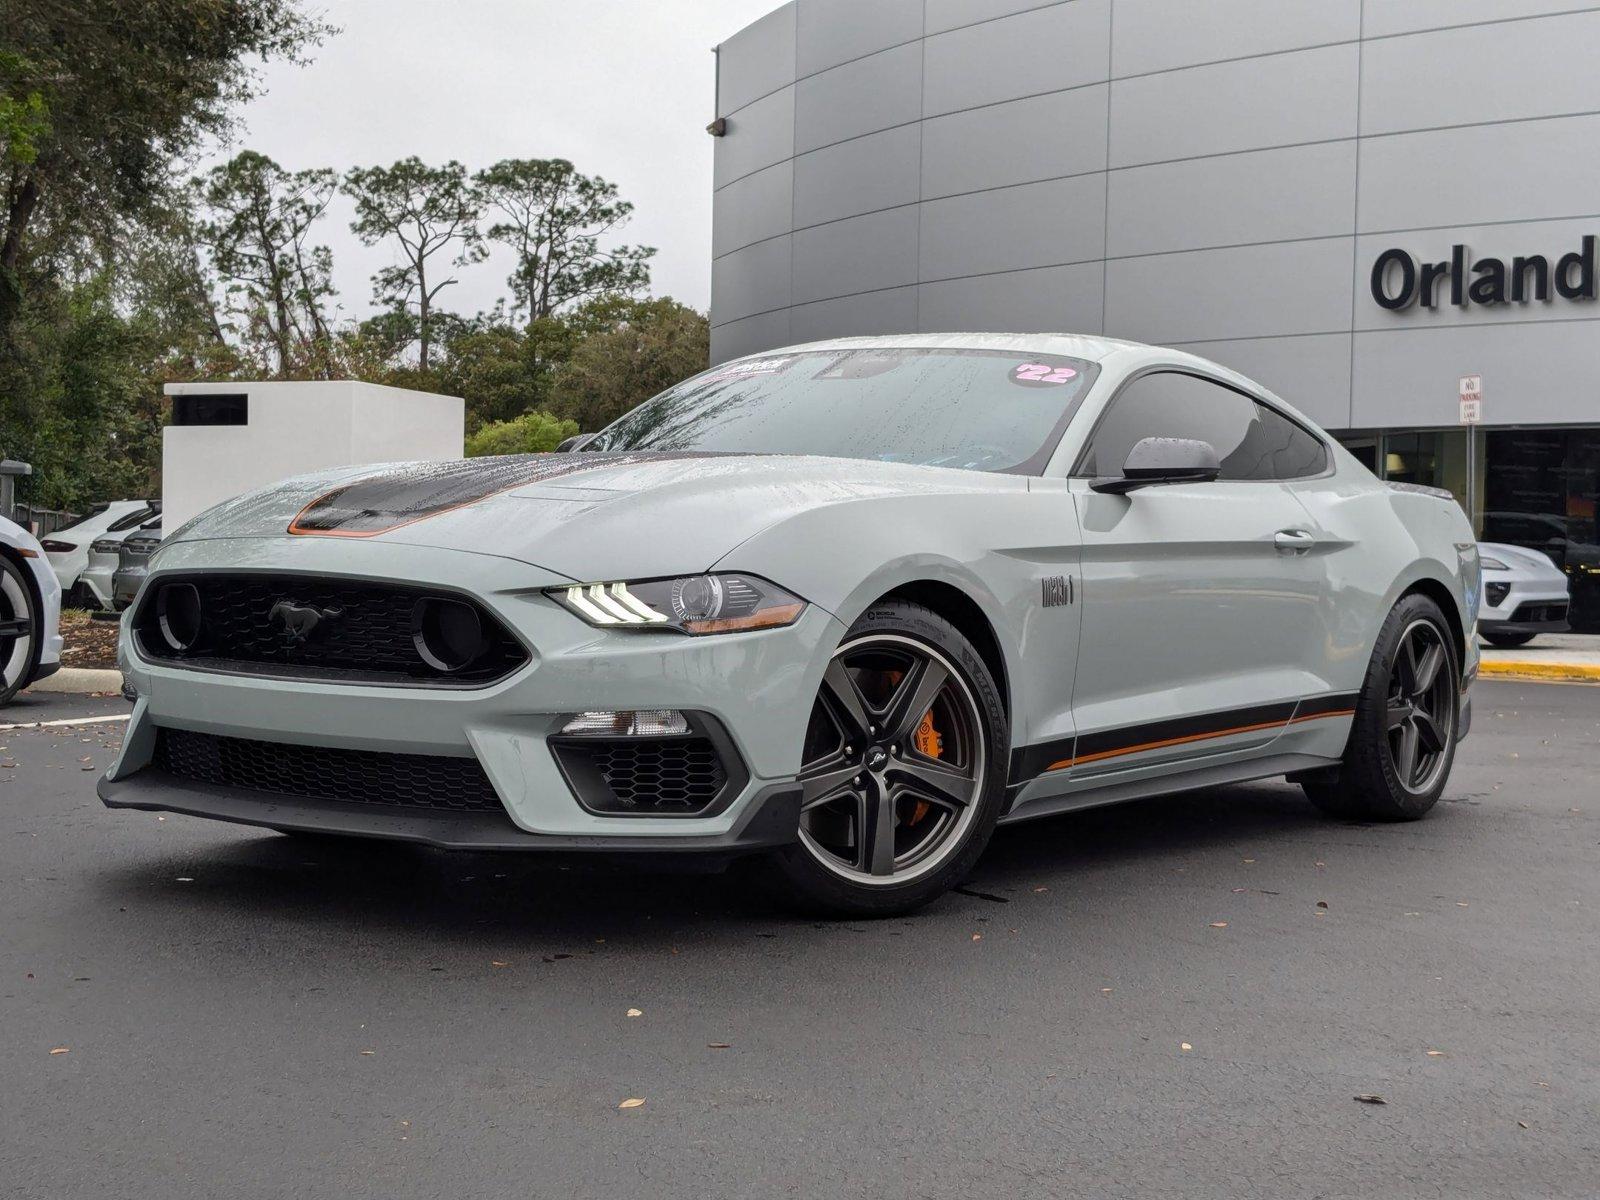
x: 1293, y: 541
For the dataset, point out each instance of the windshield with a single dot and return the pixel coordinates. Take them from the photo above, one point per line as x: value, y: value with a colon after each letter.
x: 982, y: 410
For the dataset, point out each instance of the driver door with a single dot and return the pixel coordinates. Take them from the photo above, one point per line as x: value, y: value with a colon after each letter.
x: 1200, y: 600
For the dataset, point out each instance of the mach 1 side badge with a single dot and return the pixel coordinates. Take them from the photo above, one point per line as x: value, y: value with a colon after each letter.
x: 1058, y: 591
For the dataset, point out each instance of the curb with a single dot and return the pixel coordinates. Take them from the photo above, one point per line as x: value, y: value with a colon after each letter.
x: 80, y: 680
x: 1549, y: 671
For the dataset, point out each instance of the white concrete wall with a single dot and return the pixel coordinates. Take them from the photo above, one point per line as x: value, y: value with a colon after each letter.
x: 299, y: 427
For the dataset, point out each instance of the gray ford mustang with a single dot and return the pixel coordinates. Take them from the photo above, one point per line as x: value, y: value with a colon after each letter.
x: 840, y: 609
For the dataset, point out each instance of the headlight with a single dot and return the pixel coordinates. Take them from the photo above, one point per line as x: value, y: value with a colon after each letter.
x: 1492, y: 564
x: 694, y: 604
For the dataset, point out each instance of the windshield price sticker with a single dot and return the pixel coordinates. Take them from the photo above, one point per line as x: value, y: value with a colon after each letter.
x: 1042, y: 375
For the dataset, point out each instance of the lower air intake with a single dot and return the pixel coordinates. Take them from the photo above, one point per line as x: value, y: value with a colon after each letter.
x: 408, y: 782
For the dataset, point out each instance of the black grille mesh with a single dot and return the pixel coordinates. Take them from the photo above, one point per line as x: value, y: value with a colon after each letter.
x: 1540, y: 612
x: 402, y: 781
x: 370, y: 638
x: 649, y: 776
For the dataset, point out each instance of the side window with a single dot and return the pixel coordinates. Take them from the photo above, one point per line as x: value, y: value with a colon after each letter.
x: 136, y: 517
x: 1295, y: 453
x: 1251, y: 440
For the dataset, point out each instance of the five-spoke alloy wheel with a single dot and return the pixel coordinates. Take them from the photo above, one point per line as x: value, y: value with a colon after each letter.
x: 1403, y: 738
x: 1420, y: 715
x: 902, y: 769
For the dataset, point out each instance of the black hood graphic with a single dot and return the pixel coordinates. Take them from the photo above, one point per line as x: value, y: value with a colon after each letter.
x: 381, y: 503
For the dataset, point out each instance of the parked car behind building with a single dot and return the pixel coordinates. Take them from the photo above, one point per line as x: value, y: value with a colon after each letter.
x: 68, y: 549
x: 133, y: 560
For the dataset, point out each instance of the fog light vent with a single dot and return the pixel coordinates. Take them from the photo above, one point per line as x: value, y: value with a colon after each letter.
x: 179, y: 615
x: 649, y: 722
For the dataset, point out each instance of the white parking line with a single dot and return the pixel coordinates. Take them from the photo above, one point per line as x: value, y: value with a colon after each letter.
x: 62, y: 723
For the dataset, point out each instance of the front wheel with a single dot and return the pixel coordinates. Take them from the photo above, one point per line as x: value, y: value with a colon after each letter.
x: 19, y: 630
x: 1403, y: 738
x: 903, y: 768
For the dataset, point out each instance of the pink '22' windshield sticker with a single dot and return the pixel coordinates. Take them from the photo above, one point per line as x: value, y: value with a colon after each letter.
x: 747, y: 370
x: 1042, y: 375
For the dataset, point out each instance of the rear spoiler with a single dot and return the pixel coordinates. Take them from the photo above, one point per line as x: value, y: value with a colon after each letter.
x: 1423, y: 490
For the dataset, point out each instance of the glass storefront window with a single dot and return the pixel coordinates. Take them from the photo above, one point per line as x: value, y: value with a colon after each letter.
x: 1433, y: 457
x: 1540, y: 491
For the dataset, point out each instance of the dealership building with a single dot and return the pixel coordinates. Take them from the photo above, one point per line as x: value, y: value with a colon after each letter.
x: 1378, y: 208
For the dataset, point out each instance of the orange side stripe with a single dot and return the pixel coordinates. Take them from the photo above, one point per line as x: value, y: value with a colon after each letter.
x: 1193, y: 737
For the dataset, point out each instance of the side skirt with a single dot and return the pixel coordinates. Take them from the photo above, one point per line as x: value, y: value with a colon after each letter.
x: 1112, y: 792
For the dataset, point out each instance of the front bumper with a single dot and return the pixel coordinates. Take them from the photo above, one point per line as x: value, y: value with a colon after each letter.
x: 768, y: 819
x: 758, y: 686
x: 1529, y: 607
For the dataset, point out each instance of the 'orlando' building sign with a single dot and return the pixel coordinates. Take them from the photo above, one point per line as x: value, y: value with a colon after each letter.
x: 1399, y: 281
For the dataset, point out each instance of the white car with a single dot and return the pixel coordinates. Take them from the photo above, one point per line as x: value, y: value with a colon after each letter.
x: 1524, y: 594
x: 30, y: 612
x: 105, y: 554
x: 68, y: 549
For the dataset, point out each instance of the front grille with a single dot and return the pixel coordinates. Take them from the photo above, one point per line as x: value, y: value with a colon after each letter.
x: 681, y: 776
x: 1541, y: 613
x: 400, y: 781
x: 368, y: 638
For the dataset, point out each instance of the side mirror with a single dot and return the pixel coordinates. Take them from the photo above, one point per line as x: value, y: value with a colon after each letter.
x: 574, y: 443
x: 1158, y: 460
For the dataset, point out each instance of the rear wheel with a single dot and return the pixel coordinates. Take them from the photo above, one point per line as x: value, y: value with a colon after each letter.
x: 1403, y: 739
x: 1506, y: 640
x: 19, y: 626
x: 903, y: 768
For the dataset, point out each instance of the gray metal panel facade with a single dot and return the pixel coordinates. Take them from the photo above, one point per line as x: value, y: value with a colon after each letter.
x: 1216, y: 174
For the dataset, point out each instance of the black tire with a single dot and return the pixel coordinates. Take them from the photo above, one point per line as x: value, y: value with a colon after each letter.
x: 1506, y: 640
x: 19, y: 619
x: 808, y: 875
x: 1378, y: 780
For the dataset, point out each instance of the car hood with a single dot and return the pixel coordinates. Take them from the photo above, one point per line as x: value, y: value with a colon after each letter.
x: 585, y: 516
x: 1519, y: 558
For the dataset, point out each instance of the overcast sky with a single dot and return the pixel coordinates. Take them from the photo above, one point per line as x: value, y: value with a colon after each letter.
x: 623, y: 88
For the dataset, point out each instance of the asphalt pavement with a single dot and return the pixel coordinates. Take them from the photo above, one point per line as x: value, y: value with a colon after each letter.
x: 1179, y: 997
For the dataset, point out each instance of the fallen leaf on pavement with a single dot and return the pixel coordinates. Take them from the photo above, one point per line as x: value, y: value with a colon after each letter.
x: 495, y: 962
x: 636, y: 1012
x: 1322, y: 904
x: 369, y: 1053
x: 719, y: 1045
x: 1435, y: 1053
x: 61, y: 1050
x: 1371, y: 1099
x: 1219, y: 924
x: 1185, y: 1047
x: 632, y: 1102
x: 1522, y: 1124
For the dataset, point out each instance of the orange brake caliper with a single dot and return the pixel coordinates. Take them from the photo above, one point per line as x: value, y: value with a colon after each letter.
x: 929, y: 743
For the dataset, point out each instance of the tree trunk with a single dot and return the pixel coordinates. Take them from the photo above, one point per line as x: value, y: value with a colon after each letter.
x: 22, y: 207
x: 422, y: 315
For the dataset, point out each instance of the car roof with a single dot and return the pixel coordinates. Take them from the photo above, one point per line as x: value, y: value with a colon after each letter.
x: 1131, y: 356
x: 1072, y: 345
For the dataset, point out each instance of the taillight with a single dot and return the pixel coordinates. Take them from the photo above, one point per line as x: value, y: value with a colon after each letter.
x: 51, y: 546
